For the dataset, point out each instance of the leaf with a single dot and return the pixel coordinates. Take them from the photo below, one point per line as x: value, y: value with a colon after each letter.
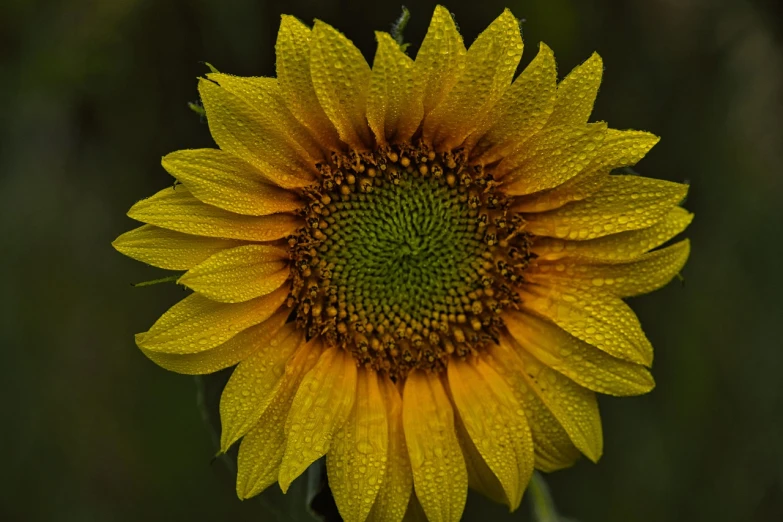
x: 275, y: 506
x: 398, y: 28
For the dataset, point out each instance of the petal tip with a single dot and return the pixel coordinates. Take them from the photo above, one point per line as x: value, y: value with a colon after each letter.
x: 283, y: 480
x: 139, y: 338
x: 592, y: 456
x: 442, y: 10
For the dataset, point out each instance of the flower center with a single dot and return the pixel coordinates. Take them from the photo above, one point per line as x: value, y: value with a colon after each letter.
x: 407, y: 258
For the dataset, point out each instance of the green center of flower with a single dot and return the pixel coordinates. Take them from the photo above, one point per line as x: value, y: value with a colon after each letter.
x: 405, y: 250
x: 407, y: 259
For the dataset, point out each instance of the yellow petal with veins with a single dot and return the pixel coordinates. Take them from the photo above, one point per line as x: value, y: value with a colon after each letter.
x: 197, y: 324
x: 586, y: 365
x: 574, y: 406
x: 645, y: 274
x: 292, y: 52
x: 439, y: 474
x: 224, y: 181
x: 272, y: 113
x: 254, y: 383
x: 624, y: 246
x: 550, y: 158
x: 356, y: 463
x: 480, y: 477
x: 523, y: 111
x: 341, y: 78
x: 576, y: 93
x: 602, y: 320
x: 395, y: 492
x: 239, y: 274
x: 253, y: 134
x: 554, y: 447
x: 175, y: 208
x: 168, y: 249
x: 321, y: 407
x: 261, y: 450
x: 619, y: 149
x: 490, y: 65
x: 394, y: 108
x: 440, y: 60
x: 623, y: 148
x: 227, y: 354
x: 622, y: 203
x: 495, y: 422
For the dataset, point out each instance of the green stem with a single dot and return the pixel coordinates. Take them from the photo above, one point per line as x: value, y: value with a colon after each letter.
x: 541, y: 500
x: 198, y: 109
x: 169, y: 279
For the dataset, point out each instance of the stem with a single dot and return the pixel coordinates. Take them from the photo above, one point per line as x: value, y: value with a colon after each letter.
x: 541, y: 500
x: 169, y: 279
x: 198, y: 109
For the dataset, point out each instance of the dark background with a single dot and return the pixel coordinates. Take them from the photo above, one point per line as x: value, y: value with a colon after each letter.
x: 93, y: 93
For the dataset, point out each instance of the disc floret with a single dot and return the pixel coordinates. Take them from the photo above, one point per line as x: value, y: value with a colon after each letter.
x: 408, y: 258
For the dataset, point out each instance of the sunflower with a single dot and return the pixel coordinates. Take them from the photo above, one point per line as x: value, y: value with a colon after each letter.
x: 417, y: 268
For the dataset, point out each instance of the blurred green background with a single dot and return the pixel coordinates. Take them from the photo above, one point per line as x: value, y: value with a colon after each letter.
x: 93, y: 93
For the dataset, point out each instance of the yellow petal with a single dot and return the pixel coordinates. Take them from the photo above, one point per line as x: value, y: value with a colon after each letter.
x: 574, y: 407
x: 496, y: 423
x: 176, y: 209
x: 480, y: 477
x: 224, y: 181
x: 439, y: 474
x: 619, y: 149
x: 252, y: 134
x: 197, y: 324
x: 576, y: 93
x: 649, y: 272
x: 320, y: 408
x: 272, y: 113
x: 490, y: 64
x: 254, y: 383
x: 550, y: 158
x: 623, y: 148
x: 523, y: 110
x: 293, y: 74
x: 553, y: 446
x: 168, y: 249
x: 394, y: 108
x: 261, y: 450
x: 584, y: 364
x: 580, y: 187
x: 341, y: 78
x: 597, y: 318
x: 395, y: 492
x: 622, y: 203
x: 239, y: 274
x: 356, y: 463
x: 227, y: 354
x: 440, y: 60
x: 624, y: 246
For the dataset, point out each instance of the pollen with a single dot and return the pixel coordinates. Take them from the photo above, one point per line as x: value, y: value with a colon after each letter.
x: 408, y: 258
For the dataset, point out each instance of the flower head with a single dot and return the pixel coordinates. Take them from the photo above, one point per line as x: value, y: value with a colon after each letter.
x: 418, y: 268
